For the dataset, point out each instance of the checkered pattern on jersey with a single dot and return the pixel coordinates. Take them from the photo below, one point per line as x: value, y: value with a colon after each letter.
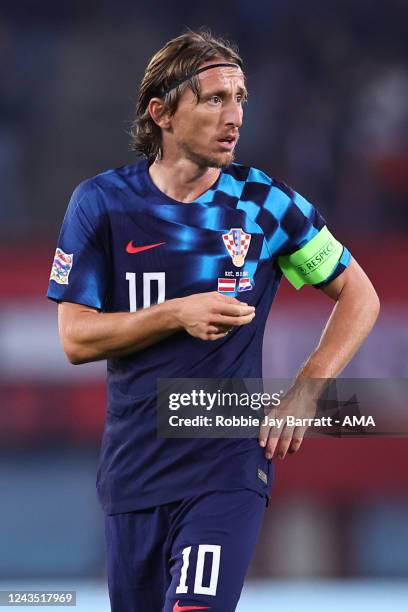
x: 287, y: 220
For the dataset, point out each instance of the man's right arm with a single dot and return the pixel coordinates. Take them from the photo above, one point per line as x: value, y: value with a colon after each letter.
x: 90, y: 335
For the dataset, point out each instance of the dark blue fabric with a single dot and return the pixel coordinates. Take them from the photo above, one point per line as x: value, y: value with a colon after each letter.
x: 123, y: 207
x: 145, y: 552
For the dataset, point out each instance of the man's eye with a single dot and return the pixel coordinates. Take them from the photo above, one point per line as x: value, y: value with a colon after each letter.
x: 215, y: 99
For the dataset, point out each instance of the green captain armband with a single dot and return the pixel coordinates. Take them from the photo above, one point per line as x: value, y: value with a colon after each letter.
x: 314, y: 262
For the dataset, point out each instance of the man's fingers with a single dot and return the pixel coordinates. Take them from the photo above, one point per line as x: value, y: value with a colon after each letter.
x: 222, y: 328
x: 264, y: 429
x: 269, y: 437
x: 222, y: 320
x: 216, y: 330
x: 263, y: 434
x: 234, y: 310
x: 213, y: 337
x: 227, y: 298
x: 279, y: 447
x: 297, y: 439
x: 290, y: 443
x: 284, y: 443
x: 278, y: 440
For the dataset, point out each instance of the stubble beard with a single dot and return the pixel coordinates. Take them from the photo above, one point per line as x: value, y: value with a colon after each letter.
x: 207, y: 161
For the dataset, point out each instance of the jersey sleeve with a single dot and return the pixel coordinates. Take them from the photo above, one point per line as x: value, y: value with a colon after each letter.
x: 79, y: 270
x: 307, y: 252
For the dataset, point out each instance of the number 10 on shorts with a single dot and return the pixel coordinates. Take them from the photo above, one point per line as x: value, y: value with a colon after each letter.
x: 203, y: 549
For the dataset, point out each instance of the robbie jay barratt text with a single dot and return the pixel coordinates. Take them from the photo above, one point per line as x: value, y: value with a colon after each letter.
x: 289, y: 421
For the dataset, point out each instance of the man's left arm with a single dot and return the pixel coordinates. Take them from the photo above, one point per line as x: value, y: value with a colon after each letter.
x: 352, y: 318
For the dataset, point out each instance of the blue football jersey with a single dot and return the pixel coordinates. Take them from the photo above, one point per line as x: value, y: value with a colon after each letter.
x: 124, y: 245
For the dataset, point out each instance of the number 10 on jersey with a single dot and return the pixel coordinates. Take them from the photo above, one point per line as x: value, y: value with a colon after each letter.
x: 146, y: 283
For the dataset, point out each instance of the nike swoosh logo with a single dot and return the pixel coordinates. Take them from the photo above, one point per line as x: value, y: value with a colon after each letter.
x: 138, y: 249
x: 178, y: 608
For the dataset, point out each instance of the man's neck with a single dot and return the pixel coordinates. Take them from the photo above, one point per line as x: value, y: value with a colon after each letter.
x: 182, y: 180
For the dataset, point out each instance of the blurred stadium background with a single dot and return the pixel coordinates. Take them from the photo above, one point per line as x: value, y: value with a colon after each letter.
x: 328, y: 114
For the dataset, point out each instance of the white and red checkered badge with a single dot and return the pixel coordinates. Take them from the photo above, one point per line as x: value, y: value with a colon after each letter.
x: 237, y: 244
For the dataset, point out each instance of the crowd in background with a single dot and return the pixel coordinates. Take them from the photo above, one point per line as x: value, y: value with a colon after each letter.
x: 327, y: 110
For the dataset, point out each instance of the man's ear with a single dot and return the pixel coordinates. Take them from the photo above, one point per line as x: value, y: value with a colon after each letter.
x: 159, y: 113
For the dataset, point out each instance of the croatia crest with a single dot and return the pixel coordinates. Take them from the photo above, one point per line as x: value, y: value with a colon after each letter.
x: 61, y: 267
x: 237, y: 244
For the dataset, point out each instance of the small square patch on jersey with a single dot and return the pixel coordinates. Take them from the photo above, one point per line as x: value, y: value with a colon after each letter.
x: 262, y: 476
x: 61, y: 267
x: 226, y: 285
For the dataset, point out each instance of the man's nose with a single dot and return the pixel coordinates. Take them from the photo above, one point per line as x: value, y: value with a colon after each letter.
x: 233, y: 114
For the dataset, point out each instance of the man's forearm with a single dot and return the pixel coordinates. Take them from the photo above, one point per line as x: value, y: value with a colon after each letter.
x: 91, y: 335
x: 88, y: 335
x: 350, y: 322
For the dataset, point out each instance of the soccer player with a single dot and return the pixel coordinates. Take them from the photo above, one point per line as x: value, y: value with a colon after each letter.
x: 168, y: 268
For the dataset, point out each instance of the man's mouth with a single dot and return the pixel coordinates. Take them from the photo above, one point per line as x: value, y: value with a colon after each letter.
x: 228, y: 142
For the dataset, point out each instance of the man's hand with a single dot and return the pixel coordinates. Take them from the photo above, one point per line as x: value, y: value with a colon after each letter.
x: 352, y: 318
x: 211, y: 316
x: 299, y: 402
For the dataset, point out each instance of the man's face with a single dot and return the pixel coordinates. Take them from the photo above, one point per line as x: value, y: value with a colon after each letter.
x: 206, y: 131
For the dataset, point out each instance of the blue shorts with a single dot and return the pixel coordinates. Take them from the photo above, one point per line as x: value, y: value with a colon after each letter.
x: 191, y: 554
